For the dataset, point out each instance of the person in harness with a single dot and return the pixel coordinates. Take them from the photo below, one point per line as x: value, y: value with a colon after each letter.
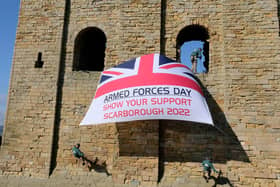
x: 207, y: 168
x: 78, y: 153
x: 197, y: 53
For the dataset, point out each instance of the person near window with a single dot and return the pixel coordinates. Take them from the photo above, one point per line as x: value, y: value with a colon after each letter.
x: 197, y: 53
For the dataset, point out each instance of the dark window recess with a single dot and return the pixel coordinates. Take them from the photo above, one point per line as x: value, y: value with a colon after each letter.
x: 89, y: 52
x: 39, y: 63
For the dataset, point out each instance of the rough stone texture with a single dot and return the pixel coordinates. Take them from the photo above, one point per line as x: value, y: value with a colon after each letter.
x: 91, y: 180
x: 46, y: 104
x: 32, y: 95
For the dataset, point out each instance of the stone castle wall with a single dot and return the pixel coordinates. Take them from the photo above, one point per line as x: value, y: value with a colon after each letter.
x: 46, y: 104
x: 32, y: 94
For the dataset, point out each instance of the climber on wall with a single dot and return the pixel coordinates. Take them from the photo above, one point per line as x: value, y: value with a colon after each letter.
x: 207, y: 168
x: 79, y: 154
x: 194, y: 56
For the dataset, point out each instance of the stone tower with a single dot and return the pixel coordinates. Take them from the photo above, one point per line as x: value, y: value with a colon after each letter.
x: 52, y: 85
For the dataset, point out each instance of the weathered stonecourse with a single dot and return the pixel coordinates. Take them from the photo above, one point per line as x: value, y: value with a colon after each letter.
x: 61, y: 48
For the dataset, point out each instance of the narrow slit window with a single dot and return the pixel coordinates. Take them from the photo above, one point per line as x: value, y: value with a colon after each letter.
x: 39, y: 63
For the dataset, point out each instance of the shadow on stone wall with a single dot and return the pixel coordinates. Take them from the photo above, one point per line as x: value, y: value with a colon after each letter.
x: 278, y: 13
x: 138, y: 138
x: 138, y: 152
x: 182, y: 141
x: 162, y: 27
x: 60, y: 83
x: 97, y: 166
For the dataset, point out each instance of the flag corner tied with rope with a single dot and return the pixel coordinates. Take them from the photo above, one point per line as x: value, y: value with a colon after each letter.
x: 145, y: 88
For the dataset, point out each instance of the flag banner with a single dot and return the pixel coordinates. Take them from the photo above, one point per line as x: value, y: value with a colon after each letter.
x: 148, y: 87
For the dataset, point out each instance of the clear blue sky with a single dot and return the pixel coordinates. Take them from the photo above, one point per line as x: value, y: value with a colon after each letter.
x: 9, y: 10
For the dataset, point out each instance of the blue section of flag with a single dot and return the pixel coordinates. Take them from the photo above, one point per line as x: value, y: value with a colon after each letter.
x: 128, y: 64
x: 104, y: 78
x: 165, y: 60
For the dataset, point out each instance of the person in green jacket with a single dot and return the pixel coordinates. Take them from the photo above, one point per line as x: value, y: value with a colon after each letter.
x: 197, y: 53
x: 78, y: 153
x: 207, y: 168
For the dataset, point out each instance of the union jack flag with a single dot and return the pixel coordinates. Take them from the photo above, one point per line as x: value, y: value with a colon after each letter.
x: 115, y: 99
x: 147, y: 70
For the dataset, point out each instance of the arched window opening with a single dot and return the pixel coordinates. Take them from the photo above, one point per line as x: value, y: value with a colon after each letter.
x: 89, y: 52
x: 193, y: 48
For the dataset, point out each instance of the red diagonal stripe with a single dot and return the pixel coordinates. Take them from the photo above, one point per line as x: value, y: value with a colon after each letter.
x: 168, y: 66
x: 112, y: 72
